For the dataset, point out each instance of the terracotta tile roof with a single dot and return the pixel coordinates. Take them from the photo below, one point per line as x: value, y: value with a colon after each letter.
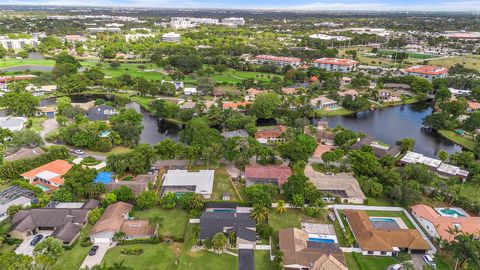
x: 350, y: 92
x: 5, y: 79
x: 429, y: 70
x: 473, y: 105
x: 273, y: 133
x: 297, y: 250
x: 277, y: 58
x: 336, y: 61
x: 235, y: 105
x: 254, y: 91
x: 59, y: 167
x: 370, y: 238
x: 289, y: 90
x: 443, y: 223
x: 259, y: 172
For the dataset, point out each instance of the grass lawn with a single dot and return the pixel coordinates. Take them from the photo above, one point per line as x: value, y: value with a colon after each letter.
x: 340, y: 234
x: 378, y: 202
x: 174, y: 220
x: 73, y: 259
x: 470, y: 190
x: 410, y: 54
x: 337, y: 112
x: 159, y: 256
x: 37, y: 123
x: 357, y: 261
x: 262, y: 260
x: 469, y: 61
x: 392, y: 214
x: 205, y: 260
x: 6, y: 63
x: 221, y: 184
x: 462, y: 140
x: 410, y: 100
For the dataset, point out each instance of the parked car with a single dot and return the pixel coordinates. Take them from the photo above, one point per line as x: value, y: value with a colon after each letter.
x: 79, y: 152
x: 93, y: 251
x: 429, y: 260
x: 36, y: 239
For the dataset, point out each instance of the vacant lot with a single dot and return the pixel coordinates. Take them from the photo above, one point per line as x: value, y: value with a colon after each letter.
x: 174, y: 220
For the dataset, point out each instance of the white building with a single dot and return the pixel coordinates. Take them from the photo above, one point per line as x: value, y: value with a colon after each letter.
x: 135, y: 37
x: 232, y: 21
x: 18, y: 44
x: 190, y: 22
x: 328, y: 37
x: 190, y: 91
x: 459, y: 92
x: 183, y: 181
x: 40, y: 90
x: 336, y: 64
x: 93, y: 30
x: 171, y: 37
x: 12, y: 123
x: 441, y: 169
x: 428, y: 72
x: 75, y: 38
x: 279, y: 61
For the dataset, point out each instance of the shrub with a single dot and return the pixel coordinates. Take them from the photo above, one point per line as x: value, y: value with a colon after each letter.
x: 86, y: 242
x: 131, y: 251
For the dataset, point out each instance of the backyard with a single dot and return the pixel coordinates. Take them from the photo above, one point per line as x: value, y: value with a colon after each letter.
x: 222, y: 184
x: 462, y: 140
x: 174, y: 220
x: 392, y: 214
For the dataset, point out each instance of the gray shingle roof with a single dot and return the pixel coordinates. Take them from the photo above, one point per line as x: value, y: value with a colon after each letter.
x: 215, y: 222
x: 67, y: 232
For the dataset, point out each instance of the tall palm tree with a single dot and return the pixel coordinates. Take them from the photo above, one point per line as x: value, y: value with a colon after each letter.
x: 157, y: 222
x: 259, y: 213
x: 281, y: 207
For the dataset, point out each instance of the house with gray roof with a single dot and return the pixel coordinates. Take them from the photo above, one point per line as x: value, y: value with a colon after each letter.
x: 14, y: 196
x: 24, y: 153
x: 12, y: 123
x: 138, y: 185
x: 100, y: 113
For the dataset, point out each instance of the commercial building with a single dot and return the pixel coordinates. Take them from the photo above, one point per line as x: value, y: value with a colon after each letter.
x: 428, y: 72
x: 336, y: 64
x: 435, y: 165
x: 171, y: 37
x: 49, y: 176
x: 373, y: 239
x: 94, y: 30
x: 75, y: 38
x: 137, y: 36
x: 17, y: 44
x: 271, y: 174
x: 279, y: 61
x: 182, y: 181
x: 438, y: 222
x: 191, y: 22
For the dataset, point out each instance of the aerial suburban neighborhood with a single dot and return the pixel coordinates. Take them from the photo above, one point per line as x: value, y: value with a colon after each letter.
x: 324, y: 136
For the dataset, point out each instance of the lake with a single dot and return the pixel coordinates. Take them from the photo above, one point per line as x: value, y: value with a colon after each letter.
x: 394, y: 123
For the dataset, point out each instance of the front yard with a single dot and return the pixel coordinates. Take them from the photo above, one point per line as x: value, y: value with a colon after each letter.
x: 73, y: 259
x: 356, y: 261
x: 159, y: 256
x: 174, y: 220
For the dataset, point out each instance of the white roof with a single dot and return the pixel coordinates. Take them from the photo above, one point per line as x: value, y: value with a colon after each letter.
x: 413, y: 158
x: 18, y: 201
x: 452, y: 170
x: 12, y: 123
x: 47, y: 175
x: 458, y: 91
x: 202, y: 180
x: 171, y: 35
x: 190, y: 89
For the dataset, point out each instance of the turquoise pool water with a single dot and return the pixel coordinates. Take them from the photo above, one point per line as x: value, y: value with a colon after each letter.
x: 451, y: 212
x: 321, y: 240
x: 383, y: 219
x: 44, y: 188
x: 224, y: 210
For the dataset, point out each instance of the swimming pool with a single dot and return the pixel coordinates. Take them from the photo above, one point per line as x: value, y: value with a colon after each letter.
x: 225, y: 210
x: 103, y: 177
x: 321, y: 240
x: 451, y: 212
x: 44, y: 188
x: 383, y: 219
x: 384, y: 223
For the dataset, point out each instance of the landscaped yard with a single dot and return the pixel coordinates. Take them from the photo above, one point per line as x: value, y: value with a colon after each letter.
x: 470, y: 190
x: 73, y: 259
x: 159, y: 257
x: 392, y: 214
x: 378, y: 202
x: 222, y: 184
x: 462, y: 140
x: 37, y: 123
x: 174, y: 220
x: 337, y: 112
x: 6, y: 63
x: 262, y: 260
x: 357, y: 261
x: 205, y: 260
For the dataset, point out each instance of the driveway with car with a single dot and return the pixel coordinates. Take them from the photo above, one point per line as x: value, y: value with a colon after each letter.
x: 96, y: 259
x: 418, y: 261
x: 25, y: 248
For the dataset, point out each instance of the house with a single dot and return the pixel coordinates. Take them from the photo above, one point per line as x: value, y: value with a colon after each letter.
x: 279, y: 61
x: 459, y: 92
x: 6, y: 79
x: 12, y: 123
x: 188, y: 105
x: 271, y: 174
x: 116, y: 219
x: 289, y: 91
x: 221, y: 92
x: 428, y: 72
x: 252, y: 93
x: 341, y: 185
x: 380, y: 150
x: 24, y: 153
x: 49, y: 112
x: 397, y: 86
x: 190, y: 91
x: 438, y: 222
x: 441, y: 169
x: 100, y: 113
x: 378, y: 241
x: 138, y: 185
x: 472, y: 106
x: 388, y: 95
x: 325, y: 136
x: 336, y: 64
x: 62, y: 223
x: 236, y: 133
x: 171, y: 37
x: 322, y: 103
x: 14, y: 196
x: 304, y: 253
x: 270, y: 135
x: 234, y: 105
x: 40, y: 90
x: 350, y: 92
x: 49, y: 176
x: 182, y: 181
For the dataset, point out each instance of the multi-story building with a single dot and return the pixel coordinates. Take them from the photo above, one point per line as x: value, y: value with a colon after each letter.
x: 171, y: 37
x: 336, y: 64
x: 135, y: 37
x: 18, y: 44
x: 232, y: 21
x: 280, y: 61
x: 428, y: 72
x: 190, y: 22
x: 93, y: 30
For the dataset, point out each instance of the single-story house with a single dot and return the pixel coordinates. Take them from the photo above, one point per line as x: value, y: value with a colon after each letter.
x: 24, y: 153
x: 380, y: 150
x: 299, y: 252
x: 397, y: 86
x: 350, y: 92
x: 388, y: 95
x: 438, y: 226
x: 322, y: 102
x: 100, y: 113
x: 459, y: 92
x: 138, y: 185
x: 472, y: 106
x: 12, y: 123
x: 221, y: 92
x: 235, y: 105
x: 40, y: 90
x: 441, y: 169
x: 383, y: 242
x: 259, y: 174
x: 341, y: 185
x: 14, y: 196
x: 116, y: 219
x: 182, y: 181
x: 236, y: 133
x: 270, y: 135
x: 49, y: 176
x: 252, y: 93
x: 190, y: 91
x: 289, y: 91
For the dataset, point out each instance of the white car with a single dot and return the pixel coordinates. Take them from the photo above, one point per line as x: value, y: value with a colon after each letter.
x: 429, y: 260
x: 396, y: 267
x: 79, y: 152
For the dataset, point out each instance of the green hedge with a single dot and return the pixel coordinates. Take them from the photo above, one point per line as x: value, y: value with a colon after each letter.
x: 153, y: 240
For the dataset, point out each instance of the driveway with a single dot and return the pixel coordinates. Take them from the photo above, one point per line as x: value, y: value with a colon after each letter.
x: 49, y: 125
x: 96, y: 259
x: 25, y: 248
x: 418, y: 261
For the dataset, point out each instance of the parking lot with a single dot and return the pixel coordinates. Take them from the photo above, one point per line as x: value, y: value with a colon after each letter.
x: 25, y: 248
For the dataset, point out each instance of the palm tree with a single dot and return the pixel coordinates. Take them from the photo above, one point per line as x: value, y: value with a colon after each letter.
x: 156, y: 221
x: 452, y: 231
x: 281, y: 207
x: 119, y: 236
x: 119, y: 266
x: 259, y: 213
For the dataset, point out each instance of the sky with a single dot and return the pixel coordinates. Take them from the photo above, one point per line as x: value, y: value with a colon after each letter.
x: 380, y: 5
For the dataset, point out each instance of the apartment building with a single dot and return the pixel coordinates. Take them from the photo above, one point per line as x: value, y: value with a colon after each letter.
x: 428, y: 72
x: 336, y: 64
x: 279, y: 61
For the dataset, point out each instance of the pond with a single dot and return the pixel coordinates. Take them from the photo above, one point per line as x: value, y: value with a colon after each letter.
x: 394, y: 123
x: 28, y: 68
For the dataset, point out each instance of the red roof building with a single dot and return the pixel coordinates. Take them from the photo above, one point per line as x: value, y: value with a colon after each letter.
x: 336, y: 64
x: 270, y: 135
x: 258, y: 174
x: 281, y: 61
x: 6, y: 79
x: 428, y: 72
x: 49, y: 176
x: 235, y: 105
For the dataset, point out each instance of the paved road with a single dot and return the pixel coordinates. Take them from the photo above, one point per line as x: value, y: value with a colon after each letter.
x: 96, y: 259
x: 25, y: 248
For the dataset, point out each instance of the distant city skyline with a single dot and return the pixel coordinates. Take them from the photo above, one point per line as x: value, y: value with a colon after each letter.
x: 313, y: 5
